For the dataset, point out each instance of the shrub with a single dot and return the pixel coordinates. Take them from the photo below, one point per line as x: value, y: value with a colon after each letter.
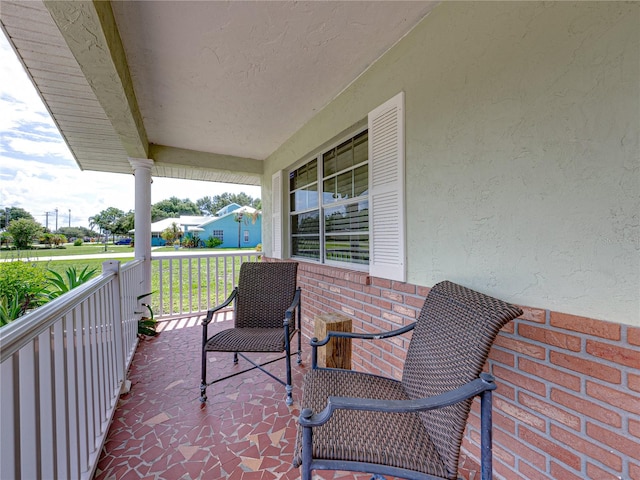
x: 77, y: 242
x: 22, y: 288
x: 213, y: 242
x: 72, y: 279
x: 147, y: 324
x: 24, y: 231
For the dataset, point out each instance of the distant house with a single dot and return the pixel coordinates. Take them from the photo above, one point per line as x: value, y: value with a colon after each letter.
x: 184, y: 222
x: 247, y: 232
x: 236, y: 226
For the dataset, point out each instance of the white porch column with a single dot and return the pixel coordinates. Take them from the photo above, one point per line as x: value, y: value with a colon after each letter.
x: 142, y: 219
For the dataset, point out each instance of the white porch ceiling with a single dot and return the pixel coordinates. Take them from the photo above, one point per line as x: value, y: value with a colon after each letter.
x: 206, y: 89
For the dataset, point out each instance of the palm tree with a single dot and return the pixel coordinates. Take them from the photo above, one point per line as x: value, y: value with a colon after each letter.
x: 171, y: 233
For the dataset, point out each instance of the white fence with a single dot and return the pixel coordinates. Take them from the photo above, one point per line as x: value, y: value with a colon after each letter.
x: 63, y: 365
x: 62, y: 368
x: 193, y: 283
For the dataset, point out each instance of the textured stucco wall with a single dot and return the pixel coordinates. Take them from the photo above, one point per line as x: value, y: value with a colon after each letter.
x: 522, y: 156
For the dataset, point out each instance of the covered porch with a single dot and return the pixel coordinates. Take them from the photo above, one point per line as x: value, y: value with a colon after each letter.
x: 160, y: 430
x: 245, y: 431
x: 513, y: 169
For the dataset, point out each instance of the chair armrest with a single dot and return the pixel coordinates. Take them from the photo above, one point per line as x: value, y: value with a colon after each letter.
x: 468, y: 390
x: 367, y: 336
x: 209, y: 317
x: 292, y: 308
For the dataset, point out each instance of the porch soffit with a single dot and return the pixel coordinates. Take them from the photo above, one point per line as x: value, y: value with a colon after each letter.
x: 205, y: 89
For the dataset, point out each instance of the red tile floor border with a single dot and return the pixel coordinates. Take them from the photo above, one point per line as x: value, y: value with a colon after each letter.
x: 160, y: 429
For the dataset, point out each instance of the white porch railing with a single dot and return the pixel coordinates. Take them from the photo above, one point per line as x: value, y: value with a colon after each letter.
x: 62, y: 368
x: 192, y: 282
x: 63, y: 365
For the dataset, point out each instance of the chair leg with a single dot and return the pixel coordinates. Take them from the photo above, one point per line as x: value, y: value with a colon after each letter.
x: 235, y: 358
x: 203, y: 393
x: 307, y: 446
x: 288, y: 387
x: 203, y: 365
x: 299, y: 346
x: 486, y: 423
x: 203, y: 378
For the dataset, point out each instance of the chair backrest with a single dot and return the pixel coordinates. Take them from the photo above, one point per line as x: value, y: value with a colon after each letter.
x: 449, y: 347
x: 265, y: 291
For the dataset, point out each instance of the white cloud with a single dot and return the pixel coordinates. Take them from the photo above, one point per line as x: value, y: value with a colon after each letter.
x: 40, y: 147
x: 49, y: 178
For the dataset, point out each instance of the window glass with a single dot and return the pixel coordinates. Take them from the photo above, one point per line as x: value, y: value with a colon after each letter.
x: 307, y: 247
x: 347, y: 218
x: 304, y: 175
x: 344, y: 156
x: 343, y: 235
x: 361, y: 148
x: 305, y: 198
x: 305, y: 223
x: 347, y: 248
x: 305, y: 235
x: 361, y: 181
x: 329, y: 162
x: 344, y: 185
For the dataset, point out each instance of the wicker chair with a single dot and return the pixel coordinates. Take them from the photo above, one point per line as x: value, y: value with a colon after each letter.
x: 266, y: 301
x: 411, y: 428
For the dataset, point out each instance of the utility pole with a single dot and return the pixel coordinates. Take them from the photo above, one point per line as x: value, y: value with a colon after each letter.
x: 69, y: 218
x: 56, y: 219
x: 46, y: 220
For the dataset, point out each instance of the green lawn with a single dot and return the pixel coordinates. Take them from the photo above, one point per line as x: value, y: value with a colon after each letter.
x: 84, y: 249
x: 176, y: 281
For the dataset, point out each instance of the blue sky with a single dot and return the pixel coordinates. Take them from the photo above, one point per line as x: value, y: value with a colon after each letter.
x: 38, y: 173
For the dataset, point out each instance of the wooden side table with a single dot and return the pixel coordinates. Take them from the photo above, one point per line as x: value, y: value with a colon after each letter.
x: 336, y: 353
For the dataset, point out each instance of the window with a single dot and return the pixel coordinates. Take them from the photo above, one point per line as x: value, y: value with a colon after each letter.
x: 218, y: 234
x: 246, y: 236
x: 346, y: 205
x: 329, y: 207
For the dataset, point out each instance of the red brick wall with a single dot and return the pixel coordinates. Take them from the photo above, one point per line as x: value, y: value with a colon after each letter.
x: 568, y: 398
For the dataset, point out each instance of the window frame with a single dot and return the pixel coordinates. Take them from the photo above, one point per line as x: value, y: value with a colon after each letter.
x: 320, y: 178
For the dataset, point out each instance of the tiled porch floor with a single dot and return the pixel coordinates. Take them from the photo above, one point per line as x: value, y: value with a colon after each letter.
x: 244, y: 432
x: 161, y: 431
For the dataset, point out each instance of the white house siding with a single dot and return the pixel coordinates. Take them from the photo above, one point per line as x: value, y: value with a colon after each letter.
x: 522, y: 167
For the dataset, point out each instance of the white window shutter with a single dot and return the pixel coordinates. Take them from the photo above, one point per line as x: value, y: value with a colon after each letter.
x: 276, y: 216
x: 387, y: 257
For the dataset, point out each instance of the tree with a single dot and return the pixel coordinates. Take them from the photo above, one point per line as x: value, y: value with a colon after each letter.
x: 207, y: 206
x: 171, y: 233
x: 237, y: 217
x: 13, y: 213
x: 125, y: 223
x: 158, y: 214
x: 5, y: 238
x: 173, y: 208
x: 46, y: 238
x: 107, y: 220
x: 24, y: 232
x: 76, y: 232
x: 58, y: 239
x: 211, y: 205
